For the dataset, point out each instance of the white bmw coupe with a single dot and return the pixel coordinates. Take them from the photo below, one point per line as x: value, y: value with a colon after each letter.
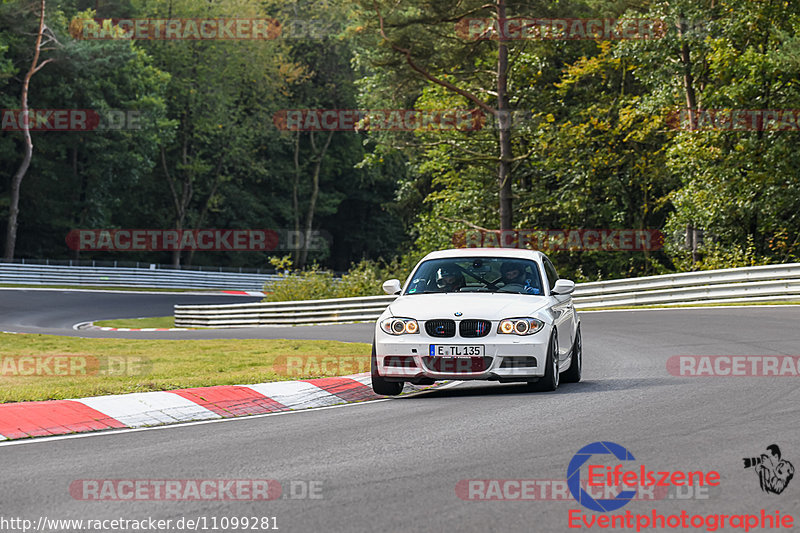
x: 478, y: 314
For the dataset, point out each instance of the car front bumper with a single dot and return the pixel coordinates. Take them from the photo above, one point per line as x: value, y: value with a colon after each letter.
x: 506, y: 357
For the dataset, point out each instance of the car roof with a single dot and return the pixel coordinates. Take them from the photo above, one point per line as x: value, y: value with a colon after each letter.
x: 511, y: 253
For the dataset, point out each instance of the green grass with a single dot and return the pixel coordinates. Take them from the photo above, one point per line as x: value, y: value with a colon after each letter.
x: 678, y: 306
x: 154, y: 322
x: 117, y: 366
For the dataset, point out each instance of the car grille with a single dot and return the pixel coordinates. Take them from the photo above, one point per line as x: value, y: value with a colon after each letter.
x: 456, y: 365
x: 441, y: 328
x: 474, y: 328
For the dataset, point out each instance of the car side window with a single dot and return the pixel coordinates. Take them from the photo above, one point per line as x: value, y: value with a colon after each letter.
x: 550, y: 270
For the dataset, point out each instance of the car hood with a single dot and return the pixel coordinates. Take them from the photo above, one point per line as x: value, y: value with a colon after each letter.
x: 489, y: 306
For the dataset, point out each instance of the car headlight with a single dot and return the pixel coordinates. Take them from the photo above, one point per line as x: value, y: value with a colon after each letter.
x: 400, y: 326
x: 519, y: 326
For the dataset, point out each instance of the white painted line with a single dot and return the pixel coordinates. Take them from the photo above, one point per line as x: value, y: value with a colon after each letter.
x: 120, y: 291
x: 176, y: 426
x: 720, y: 307
x: 148, y: 408
x: 296, y: 394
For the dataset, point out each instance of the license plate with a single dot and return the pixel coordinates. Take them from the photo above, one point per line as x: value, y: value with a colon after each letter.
x: 447, y: 350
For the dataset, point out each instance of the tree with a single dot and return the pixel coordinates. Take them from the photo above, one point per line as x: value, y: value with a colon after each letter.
x: 83, y: 179
x: 476, y: 73
x: 732, y: 184
x: 218, y: 91
x: 19, y: 175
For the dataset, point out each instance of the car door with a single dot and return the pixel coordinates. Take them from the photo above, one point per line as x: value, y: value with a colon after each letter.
x: 563, y: 310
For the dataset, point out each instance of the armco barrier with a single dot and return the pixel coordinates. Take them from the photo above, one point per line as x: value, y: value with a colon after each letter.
x: 26, y: 274
x: 330, y: 311
x: 751, y: 284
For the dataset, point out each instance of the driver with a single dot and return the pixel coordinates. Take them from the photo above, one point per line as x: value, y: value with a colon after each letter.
x: 511, y: 274
x: 448, y: 280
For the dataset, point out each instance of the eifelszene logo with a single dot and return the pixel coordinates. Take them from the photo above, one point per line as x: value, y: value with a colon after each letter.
x: 574, y: 476
x: 774, y: 473
x: 599, y: 475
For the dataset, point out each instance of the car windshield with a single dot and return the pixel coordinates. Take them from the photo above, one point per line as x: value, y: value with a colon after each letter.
x: 477, y: 274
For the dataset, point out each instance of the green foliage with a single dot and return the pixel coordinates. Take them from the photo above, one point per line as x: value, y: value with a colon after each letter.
x: 591, y: 144
x: 714, y: 256
x: 311, y: 284
x: 363, y: 279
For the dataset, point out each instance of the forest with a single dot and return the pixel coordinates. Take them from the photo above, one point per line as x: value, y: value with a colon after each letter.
x: 344, y: 132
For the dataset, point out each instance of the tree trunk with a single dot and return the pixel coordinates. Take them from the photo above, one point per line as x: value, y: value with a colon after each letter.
x: 180, y: 198
x: 504, y: 123
x: 501, y: 112
x: 83, y: 188
x: 202, y: 218
x: 295, y: 201
x: 16, y: 181
x: 312, y: 205
x: 688, y: 78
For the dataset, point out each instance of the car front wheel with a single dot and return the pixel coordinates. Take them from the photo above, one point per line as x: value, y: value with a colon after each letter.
x: 379, y: 384
x: 548, y: 382
x: 573, y: 373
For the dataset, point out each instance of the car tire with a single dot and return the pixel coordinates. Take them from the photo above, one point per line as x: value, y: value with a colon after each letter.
x: 379, y: 384
x: 548, y: 382
x: 573, y: 373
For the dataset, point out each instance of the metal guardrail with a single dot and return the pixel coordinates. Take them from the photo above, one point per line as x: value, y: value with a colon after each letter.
x: 27, y: 274
x: 103, y: 263
x: 332, y: 311
x: 752, y: 284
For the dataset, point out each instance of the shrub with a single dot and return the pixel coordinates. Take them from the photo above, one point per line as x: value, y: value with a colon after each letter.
x: 363, y: 279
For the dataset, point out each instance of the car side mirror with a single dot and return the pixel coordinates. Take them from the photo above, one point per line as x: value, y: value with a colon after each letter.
x: 563, y: 286
x: 392, y: 286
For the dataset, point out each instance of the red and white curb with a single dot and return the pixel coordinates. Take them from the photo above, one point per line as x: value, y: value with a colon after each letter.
x: 120, y: 411
x: 92, y: 327
x: 247, y: 293
x: 103, y: 328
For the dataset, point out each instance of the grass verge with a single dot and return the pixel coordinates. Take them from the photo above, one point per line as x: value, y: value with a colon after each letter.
x: 48, y: 367
x: 153, y: 322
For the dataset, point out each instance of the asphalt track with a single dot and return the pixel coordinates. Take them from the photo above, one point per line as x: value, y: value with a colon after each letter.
x: 393, y: 465
x: 55, y: 312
